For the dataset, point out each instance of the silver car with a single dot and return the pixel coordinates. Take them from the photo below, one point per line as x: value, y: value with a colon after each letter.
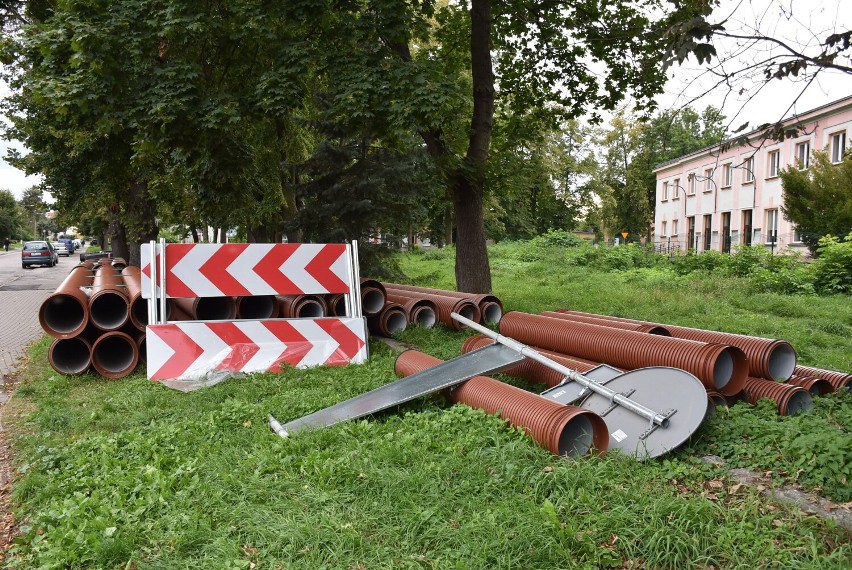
x: 61, y: 248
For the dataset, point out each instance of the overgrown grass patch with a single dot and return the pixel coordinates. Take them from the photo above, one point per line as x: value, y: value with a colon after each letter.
x: 131, y: 474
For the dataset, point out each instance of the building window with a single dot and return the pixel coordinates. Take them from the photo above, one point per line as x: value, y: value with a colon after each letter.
x: 803, y: 155
x: 674, y: 228
x: 747, y: 227
x: 774, y: 159
x: 663, y: 229
x: 797, y: 235
x: 748, y: 165
x: 676, y: 188
x: 691, y: 184
x: 708, y: 180
x: 838, y: 146
x: 727, y: 175
x: 690, y: 233
x: 665, y: 192
x: 708, y: 231
x: 726, y: 232
x: 771, y: 226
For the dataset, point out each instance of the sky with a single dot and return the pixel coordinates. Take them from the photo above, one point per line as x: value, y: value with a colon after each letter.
x: 798, y: 22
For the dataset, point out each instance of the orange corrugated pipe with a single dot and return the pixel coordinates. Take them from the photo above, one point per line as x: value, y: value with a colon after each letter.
x: 563, y: 430
x: 717, y: 366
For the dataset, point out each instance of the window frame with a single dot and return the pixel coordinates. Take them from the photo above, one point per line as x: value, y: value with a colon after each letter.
x: 834, y: 138
x: 773, y: 163
x: 708, y: 180
x: 665, y: 192
x: 803, y: 163
x: 748, y: 166
x: 690, y: 189
x: 727, y: 175
x: 675, y: 186
x: 771, y: 217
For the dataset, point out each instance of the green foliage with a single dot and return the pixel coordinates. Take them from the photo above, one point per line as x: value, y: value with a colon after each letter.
x: 833, y: 269
x: 819, y: 200
x: 11, y: 216
x: 558, y: 238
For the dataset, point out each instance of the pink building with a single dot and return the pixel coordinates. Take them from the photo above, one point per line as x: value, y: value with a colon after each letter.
x: 715, y: 198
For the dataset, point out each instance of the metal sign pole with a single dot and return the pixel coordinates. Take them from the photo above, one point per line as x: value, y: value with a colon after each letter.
x: 163, y: 315
x: 152, y: 302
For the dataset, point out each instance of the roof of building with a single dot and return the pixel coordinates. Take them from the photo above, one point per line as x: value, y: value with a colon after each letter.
x: 796, y: 117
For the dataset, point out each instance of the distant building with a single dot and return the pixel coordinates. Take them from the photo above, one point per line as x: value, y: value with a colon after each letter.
x: 715, y: 198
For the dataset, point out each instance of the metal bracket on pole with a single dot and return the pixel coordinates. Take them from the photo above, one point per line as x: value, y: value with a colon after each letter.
x: 163, y: 317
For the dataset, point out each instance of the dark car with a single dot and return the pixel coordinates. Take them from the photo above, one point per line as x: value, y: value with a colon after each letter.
x: 38, y: 253
x: 69, y: 243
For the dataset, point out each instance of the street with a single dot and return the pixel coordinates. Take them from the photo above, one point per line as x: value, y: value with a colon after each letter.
x: 21, y: 294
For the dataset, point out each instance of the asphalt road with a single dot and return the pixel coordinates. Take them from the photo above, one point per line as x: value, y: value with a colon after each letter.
x: 21, y: 294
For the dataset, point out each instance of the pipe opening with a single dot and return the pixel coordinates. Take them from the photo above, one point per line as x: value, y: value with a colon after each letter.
x: 70, y: 356
x: 395, y: 322
x: 425, y: 317
x: 142, y: 343
x: 139, y: 311
x: 109, y: 311
x: 215, y: 309
x: 800, y: 401
x: 310, y: 309
x: 372, y: 301
x: 63, y: 314
x: 723, y: 368
x: 492, y: 313
x: 257, y: 307
x: 468, y: 313
x: 340, y: 307
x: 577, y: 437
x: 114, y: 354
x: 782, y: 362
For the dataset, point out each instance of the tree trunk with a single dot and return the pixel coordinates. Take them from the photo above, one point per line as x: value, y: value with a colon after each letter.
x: 141, y: 213
x: 473, y: 272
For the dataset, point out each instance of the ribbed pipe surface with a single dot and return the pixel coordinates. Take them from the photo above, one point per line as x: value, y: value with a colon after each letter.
x: 65, y: 313
x: 392, y: 319
x: 257, y: 307
x: 718, y: 367
x: 335, y: 305
x: 142, y: 348
x: 70, y: 356
x: 207, y: 308
x: 529, y: 369
x: 115, y: 354
x: 815, y: 386
x: 490, y: 306
x: 790, y: 399
x: 716, y: 398
x: 840, y: 380
x: 637, y: 327
x: 109, y: 306
x: 772, y: 359
x: 301, y: 306
x: 563, y: 430
x: 421, y: 312
x: 446, y: 305
x: 132, y: 278
x: 373, y: 296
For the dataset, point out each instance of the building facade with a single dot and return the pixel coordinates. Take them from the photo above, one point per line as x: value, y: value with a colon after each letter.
x: 718, y: 197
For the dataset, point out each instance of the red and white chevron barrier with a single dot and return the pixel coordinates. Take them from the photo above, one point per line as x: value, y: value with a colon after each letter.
x: 241, y: 269
x: 190, y: 350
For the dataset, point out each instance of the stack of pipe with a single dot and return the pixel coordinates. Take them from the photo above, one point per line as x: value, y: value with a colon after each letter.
x: 561, y: 429
x: 771, y: 359
x: 421, y: 312
x: 719, y: 367
x: 446, y: 305
x: 490, y: 307
x: 373, y: 297
x: 89, y: 318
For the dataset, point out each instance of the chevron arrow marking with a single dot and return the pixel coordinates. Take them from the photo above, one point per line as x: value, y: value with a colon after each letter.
x: 217, y: 269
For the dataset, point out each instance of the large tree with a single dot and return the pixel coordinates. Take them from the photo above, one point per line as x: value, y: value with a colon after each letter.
x: 819, y: 200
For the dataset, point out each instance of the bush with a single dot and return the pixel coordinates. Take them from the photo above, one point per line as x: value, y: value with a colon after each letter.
x: 558, y: 238
x: 707, y: 261
x: 833, y: 267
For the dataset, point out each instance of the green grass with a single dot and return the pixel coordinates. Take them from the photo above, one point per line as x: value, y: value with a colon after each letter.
x: 129, y: 474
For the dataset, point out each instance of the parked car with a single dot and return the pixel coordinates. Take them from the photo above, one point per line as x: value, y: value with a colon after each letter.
x: 61, y: 248
x: 69, y: 243
x: 78, y: 244
x: 38, y: 253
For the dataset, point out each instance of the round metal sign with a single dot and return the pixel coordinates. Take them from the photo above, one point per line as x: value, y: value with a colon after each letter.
x: 669, y: 391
